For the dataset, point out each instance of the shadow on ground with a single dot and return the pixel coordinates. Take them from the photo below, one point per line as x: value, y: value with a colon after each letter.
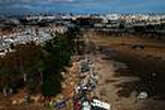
x: 150, y: 70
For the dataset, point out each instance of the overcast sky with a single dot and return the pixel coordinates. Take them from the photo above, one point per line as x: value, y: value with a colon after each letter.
x: 82, y: 6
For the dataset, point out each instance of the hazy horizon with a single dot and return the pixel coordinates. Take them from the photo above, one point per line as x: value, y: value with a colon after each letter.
x: 81, y: 6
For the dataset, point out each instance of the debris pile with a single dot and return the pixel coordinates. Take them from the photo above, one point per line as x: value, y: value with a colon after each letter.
x: 83, y: 97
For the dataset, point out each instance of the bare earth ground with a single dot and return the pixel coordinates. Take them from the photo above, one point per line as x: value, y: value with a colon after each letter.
x: 124, y: 71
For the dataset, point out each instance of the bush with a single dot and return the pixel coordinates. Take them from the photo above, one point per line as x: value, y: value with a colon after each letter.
x: 51, y: 87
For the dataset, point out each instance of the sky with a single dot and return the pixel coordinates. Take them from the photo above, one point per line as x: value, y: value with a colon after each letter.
x: 81, y: 6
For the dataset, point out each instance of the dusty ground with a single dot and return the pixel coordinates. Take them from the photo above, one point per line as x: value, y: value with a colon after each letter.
x: 125, y: 71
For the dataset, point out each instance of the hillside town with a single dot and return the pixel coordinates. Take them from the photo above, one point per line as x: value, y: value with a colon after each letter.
x: 45, y: 25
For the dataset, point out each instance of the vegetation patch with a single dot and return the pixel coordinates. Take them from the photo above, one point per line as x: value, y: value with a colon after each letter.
x: 38, y: 68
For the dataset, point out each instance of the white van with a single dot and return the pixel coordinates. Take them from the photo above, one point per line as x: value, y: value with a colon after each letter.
x: 100, y: 105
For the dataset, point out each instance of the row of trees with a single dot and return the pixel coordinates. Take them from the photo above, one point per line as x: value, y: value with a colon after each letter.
x: 38, y: 67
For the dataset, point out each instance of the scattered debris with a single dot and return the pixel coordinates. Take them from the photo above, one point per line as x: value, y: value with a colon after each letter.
x: 84, y: 67
x: 87, y: 84
x: 86, y: 106
x: 142, y: 95
x: 154, y: 74
x: 136, y: 46
x: 60, y: 105
x: 14, y: 102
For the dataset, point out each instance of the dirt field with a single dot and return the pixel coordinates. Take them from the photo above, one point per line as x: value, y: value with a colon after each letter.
x: 128, y: 66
